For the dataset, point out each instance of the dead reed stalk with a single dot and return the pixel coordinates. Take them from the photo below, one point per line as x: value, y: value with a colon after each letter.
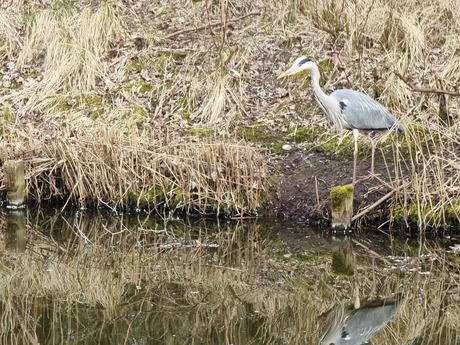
x: 106, y: 165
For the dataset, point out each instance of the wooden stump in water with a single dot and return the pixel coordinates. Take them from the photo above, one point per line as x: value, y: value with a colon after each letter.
x: 15, y: 182
x: 342, y: 206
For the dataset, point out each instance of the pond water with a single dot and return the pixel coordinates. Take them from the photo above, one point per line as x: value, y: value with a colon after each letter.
x: 78, y: 277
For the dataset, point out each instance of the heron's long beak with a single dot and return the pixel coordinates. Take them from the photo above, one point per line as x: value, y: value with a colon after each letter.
x: 290, y: 71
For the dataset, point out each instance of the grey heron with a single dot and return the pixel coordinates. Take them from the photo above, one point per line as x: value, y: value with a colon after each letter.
x: 348, y: 109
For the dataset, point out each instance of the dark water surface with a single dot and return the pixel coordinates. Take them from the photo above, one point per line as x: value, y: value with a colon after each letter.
x: 77, y: 277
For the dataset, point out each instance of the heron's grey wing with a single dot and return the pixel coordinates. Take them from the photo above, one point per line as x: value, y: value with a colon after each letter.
x: 362, y: 112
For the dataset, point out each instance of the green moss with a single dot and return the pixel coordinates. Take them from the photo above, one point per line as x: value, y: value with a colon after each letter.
x: 305, y: 134
x: 139, y: 110
x: 59, y: 104
x: 279, y: 170
x: 397, y: 213
x: 137, y: 65
x: 307, y: 257
x: 339, y: 194
x: 61, y: 5
x: 262, y: 135
x: 34, y: 74
x: 292, y: 41
x: 448, y: 214
x: 199, y: 132
x: 92, y: 100
x: 7, y: 114
x: 331, y: 143
x: 411, y: 214
x: 183, y: 107
x: 255, y: 134
x: 140, y: 85
x: 14, y: 85
x: 154, y: 195
x: 94, y: 115
x: 157, y: 197
x: 325, y: 66
x: 453, y: 210
x: 453, y: 259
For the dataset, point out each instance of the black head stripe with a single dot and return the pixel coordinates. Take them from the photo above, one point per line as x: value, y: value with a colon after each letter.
x: 304, y: 61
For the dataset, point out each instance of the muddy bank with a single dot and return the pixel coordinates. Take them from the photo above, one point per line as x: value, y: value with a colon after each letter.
x: 302, y: 193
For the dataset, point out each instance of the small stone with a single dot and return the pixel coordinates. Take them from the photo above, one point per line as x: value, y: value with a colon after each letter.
x: 287, y: 147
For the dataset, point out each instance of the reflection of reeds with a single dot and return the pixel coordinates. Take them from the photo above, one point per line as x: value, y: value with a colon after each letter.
x: 107, y: 165
x: 98, y: 261
x: 218, y: 279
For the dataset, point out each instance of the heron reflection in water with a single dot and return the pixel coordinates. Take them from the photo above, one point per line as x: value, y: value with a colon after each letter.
x: 350, y: 326
x: 348, y: 109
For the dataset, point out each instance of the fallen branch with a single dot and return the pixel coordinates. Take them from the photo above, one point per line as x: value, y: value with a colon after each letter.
x: 378, y: 202
x: 425, y: 89
x: 184, y: 31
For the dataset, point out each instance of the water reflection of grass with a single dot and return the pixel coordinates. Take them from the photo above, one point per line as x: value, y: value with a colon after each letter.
x: 214, y: 283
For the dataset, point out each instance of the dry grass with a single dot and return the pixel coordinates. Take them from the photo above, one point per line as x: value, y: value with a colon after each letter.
x: 70, y: 45
x: 138, y: 169
x: 9, y: 28
x: 429, y: 163
x: 175, y: 66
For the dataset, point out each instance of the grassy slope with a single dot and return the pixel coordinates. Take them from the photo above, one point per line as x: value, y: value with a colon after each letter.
x: 167, y: 70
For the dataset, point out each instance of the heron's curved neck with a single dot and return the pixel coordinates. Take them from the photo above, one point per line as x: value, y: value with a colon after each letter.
x: 327, y: 104
x: 315, y: 76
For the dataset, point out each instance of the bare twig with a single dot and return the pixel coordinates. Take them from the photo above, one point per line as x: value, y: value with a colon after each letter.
x: 425, y: 89
x: 217, y: 23
x: 378, y: 202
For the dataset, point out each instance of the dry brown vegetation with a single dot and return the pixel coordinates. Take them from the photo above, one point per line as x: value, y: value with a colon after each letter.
x: 117, y: 168
x: 76, y: 76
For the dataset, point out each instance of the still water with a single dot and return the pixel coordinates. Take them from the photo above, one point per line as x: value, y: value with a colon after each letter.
x: 77, y: 277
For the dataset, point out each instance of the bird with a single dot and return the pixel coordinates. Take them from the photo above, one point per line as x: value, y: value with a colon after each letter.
x: 348, y: 109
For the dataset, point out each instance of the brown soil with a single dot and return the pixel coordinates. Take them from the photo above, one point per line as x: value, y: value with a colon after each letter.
x: 303, y: 192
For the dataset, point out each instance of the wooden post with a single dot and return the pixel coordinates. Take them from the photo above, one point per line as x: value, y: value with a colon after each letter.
x: 13, y: 171
x: 342, y: 207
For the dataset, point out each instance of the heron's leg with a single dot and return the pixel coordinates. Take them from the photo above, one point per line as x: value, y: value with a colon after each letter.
x: 355, y: 154
x: 373, y: 144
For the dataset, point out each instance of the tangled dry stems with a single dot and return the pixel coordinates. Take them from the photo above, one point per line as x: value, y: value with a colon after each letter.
x: 137, y: 169
x: 94, y: 64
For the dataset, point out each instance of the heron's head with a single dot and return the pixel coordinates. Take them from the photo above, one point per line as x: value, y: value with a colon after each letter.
x: 300, y: 64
